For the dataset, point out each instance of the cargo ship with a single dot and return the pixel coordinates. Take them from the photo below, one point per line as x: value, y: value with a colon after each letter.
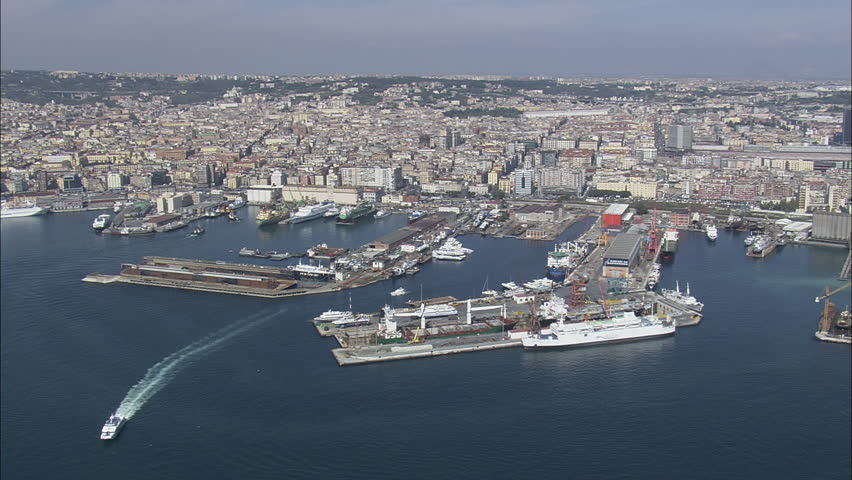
x: 669, y: 244
x: 348, y: 215
x: 271, y: 215
x: 624, y: 328
x: 564, y: 258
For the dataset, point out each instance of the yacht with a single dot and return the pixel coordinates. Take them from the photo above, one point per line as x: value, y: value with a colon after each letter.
x: 112, y: 426
x: 101, y: 222
x: 331, y: 315
x: 351, y: 321
x: 198, y: 230
x: 382, y: 213
x: 398, y: 292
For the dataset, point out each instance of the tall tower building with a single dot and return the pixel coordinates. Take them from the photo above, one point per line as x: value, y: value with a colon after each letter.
x: 679, y: 137
x: 846, y: 136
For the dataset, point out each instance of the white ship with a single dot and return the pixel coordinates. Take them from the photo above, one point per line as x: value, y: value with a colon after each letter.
x: 749, y: 240
x: 452, y: 249
x: 622, y: 328
x: 351, y: 321
x: 510, y: 285
x: 382, y: 213
x: 101, y: 222
x: 311, y: 270
x: 112, y: 426
x: 330, y: 315
x: 654, y: 276
x: 540, y: 285
x: 332, y: 212
x: 310, y: 212
x: 685, y: 299
x: 425, y: 311
x: 711, y: 231
x: 27, y: 210
x: 398, y: 292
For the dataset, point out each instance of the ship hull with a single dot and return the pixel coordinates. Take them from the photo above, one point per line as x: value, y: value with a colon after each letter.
x: 589, y: 339
x: 22, y: 212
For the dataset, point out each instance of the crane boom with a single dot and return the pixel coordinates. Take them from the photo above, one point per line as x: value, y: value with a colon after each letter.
x: 828, y: 294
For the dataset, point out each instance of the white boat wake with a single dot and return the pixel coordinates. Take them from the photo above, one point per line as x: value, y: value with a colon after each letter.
x: 165, y: 370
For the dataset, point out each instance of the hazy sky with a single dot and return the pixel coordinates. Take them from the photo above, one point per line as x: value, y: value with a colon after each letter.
x: 742, y: 38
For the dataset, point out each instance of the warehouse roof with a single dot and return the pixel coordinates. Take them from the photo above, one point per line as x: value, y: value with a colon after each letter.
x: 624, y: 246
x: 616, y: 209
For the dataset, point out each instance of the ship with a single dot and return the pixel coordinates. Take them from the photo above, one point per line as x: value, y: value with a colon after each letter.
x: 685, y: 299
x: 27, y: 210
x: 711, y: 231
x: 425, y: 311
x: 564, y: 258
x: 669, y: 246
x: 310, y: 212
x: 382, y: 213
x: 232, y: 216
x: 101, y: 222
x: 625, y: 327
x: 654, y: 276
x: 348, y: 215
x: 389, y: 334
x: 414, y: 216
x: 112, y: 426
x: 271, y: 215
x: 197, y: 231
x: 308, y: 270
x: 399, y: 291
x: 330, y: 315
x: 351, y: 321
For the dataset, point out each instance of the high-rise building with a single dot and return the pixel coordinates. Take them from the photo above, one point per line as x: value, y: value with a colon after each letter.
x: 523, y: 182
x: 846, y: 135
x: 389, y: 178
x: 452, y: 138
x: 679, y: 137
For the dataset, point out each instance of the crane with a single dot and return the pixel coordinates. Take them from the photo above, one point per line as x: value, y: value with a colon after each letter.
x: 825, y: 321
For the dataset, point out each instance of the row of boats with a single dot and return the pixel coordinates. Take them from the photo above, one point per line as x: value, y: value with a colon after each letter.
x: 345, y: 215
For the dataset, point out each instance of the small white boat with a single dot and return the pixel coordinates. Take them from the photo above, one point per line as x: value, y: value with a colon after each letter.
x: 382, y: 214
x: 398, y: 292
x: 101, y: 222
x: 112, y: 426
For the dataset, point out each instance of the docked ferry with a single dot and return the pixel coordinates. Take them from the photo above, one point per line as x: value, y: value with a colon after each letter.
x: 623, y: 328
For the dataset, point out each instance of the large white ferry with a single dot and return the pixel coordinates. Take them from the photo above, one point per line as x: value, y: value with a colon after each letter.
x: 310, y: 212
x: 622, y: 328
x: 28, y: 210
x: 112, y: 426
x: 427, y: 311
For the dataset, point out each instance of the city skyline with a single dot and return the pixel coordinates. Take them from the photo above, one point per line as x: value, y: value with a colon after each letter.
x: 782, y: 40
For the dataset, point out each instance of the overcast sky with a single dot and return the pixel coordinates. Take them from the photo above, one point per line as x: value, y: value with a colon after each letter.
x: 740, y: 38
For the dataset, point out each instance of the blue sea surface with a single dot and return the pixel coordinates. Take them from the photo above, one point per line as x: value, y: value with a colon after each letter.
x: 234, y: 387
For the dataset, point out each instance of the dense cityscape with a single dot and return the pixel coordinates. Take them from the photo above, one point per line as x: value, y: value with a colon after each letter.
x: 75, y: 140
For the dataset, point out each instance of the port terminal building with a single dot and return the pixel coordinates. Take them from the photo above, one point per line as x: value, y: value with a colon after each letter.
x: 622, y: 255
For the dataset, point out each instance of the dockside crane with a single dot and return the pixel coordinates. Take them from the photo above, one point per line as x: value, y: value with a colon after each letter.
x: 825, y: 320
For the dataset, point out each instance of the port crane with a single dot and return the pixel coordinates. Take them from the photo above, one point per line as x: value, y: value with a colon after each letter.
x: 825, y: 320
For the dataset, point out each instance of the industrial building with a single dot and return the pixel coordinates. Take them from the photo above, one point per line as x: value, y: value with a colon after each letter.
x: 832, y: 227
x: 622, y: 255
x: 614, y: 214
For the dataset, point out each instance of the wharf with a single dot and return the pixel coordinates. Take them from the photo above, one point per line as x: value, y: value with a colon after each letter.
x: 386, y: 353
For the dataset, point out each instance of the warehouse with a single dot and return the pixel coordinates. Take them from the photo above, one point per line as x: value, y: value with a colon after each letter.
x: 622, y: 255
x: 614, y: 214
x: 832, y: 227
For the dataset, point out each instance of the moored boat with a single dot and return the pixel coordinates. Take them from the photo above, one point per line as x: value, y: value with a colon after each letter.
x: 101, y: 222
x: 627, y: 326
